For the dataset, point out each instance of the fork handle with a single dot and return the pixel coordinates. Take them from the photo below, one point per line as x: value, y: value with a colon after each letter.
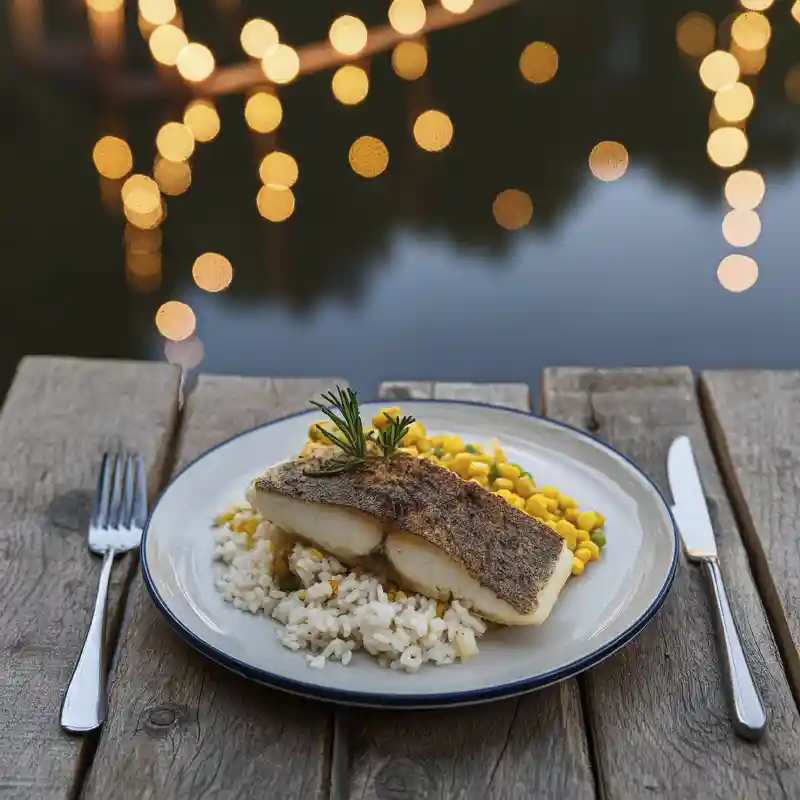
x: 749, y: 717
x: 84, y: 706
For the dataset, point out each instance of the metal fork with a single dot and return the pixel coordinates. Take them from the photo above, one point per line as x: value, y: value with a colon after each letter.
x: 118, y: 517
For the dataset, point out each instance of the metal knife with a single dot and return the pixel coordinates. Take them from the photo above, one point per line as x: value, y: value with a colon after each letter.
x: 697, y: 533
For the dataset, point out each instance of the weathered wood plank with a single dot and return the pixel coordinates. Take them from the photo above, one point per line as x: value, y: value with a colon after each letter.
x: 657, y: 708
x: 180, y: 726
x: 406, y: 390
x: 59, y: 417
x: 534, y: 746
x: 755, y: 421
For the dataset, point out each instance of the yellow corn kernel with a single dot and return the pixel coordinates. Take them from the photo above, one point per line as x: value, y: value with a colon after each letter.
x: 477, y: 468
x: 400, y: 596
x: 453, y: 444
x: 566, y: 502
x: 412, y: 451
x: 438, y: 440
x: 500, y: 456
x: 482, y: 458
x: 571, y: 514
x: 587, y: 521
x: 416, y: 431
x: 508, y: 471
x: 301, y: 595
x: 593, y: 549
x: 552, y: 504
x: 503, y: 483
x: 223, y: 518
x: 481, y: 480
x: 380, y: 421
x: 535, y: 507
x: 525, y: 487
x: 250, y: 525
x: 517, y: 502
x: 601, y: 520
x: 582, y: 535
x: 551, y: 524
x: 316, y: 554
x: 505, y: 494
x: 424, y: 445
x: 461, y: 464
x: 577, y: 566
x: 567, y: 531
x: 549, y: 491
x: 440, y: 608
x: 334, y: 586
x: 583, y: 554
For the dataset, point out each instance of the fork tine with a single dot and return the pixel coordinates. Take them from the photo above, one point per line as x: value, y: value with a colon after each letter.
x: 127, y: 493
x: 140, y: 499
x: 115, y: 509
x: 103, y: 495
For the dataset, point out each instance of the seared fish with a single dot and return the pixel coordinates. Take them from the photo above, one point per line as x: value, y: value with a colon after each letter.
x: 443, y: 536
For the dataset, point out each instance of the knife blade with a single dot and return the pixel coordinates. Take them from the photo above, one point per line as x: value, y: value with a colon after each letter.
x: 690, y: 508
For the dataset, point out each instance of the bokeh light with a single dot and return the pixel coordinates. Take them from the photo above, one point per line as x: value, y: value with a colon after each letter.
x: 737, y: 272
x: 727, y: 147
x: 350, y: 84
x: 348, y: 35
x: 796, y: 10
x: 202, y: 120
x: 457, y: 6
x: 791, y: 84
x: 104, y: 6
x: 263, y: 112
x: 368, y: 156
x: 695, y: 34
x: 112, y: 157
x: 143, y: 271
x: 212, y: 272
x: 718, y: 70
x: 195, y: 62
x: 751, y: 62
x: 259, y: 38
x: 407, y: 16
x: 744, y: 189
x: 734, y: 103
x: 166, y: 42
x: 741, y: 228
x: 282, y: 65
x: 140, y: 194
x: 157, y: 12
x: 410, y: 60
x: 538, y: 62
x: 175, y: 320
x: 275, y: 203
x: 278, y: 170
x: 175, y: 142
x: 172, y: 177
x: 512, y: 209
x: 138, y: 240
x: 608, y: 160
x: 433, y: 130
x: 187, y: 353
x: 756, y: 5
x: 751, y: 31
x: 145, y: 220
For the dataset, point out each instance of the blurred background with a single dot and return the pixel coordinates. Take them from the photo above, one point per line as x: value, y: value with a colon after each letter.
x: 457, y: 190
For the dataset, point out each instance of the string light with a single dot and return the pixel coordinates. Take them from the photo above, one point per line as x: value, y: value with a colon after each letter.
x: 212, y: 272
x: 348, y: 35
x: 433, y: 130
x: 166, y: 43
x: 141, y: 194
x: 157, y: 12
x: 410, y: 60
x: 175, y: 320
x: 407, y: 16
x: 112, y: 157
x: 368, y: 156
x: 350, y: 84
x: 734, y: 103
x: 457, y: 6
x: 727, y: 147
x: 695, y: 34
x: 751, y: 31
x: 175, y: 142
x: 718, y: 70
x: 202, y: 120
x: 263, y: 112
x: 756, y: 5
x: 737, y: 272
x: 259, y: 38
x: 744, y: 189
x: 741, y: 228
x: 608, y: 161
x: 538, y: 62
x: 275, y: 203
x: 195, y: 62
x: 145, y: 220
x: 278, y: 170
x: 173, y: 177
x: 282, y: 65
x: 512, y: 209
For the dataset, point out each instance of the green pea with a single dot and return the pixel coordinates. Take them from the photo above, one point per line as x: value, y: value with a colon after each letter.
x: 599, y: 539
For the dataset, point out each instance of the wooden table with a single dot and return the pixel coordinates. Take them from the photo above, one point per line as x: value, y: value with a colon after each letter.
x: 650, y: 721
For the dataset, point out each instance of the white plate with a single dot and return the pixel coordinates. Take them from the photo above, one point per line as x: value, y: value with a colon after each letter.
x: 594, y: 616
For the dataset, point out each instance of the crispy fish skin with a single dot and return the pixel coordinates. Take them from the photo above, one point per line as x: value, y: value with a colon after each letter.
x: 505, y: 550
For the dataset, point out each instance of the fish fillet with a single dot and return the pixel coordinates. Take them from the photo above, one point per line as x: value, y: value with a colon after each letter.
x: 443, y: 536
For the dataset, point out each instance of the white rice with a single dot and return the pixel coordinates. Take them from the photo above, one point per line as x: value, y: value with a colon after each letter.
x: 338, y: 612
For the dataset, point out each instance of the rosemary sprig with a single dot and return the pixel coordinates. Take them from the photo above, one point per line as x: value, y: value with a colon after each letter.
x: 350, y: 436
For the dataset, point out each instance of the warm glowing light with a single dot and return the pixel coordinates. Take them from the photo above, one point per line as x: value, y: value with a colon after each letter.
x: 212, y: 272
x: 175, y: 320
x: 275, y: 203
x: 407, y: 16
x: 735, y: 102
x: 157, y: 12
x: 202, y: 120
x: 433, y: 130
x: 259, y: 38
x: 166, y: 43
x: 350, y: 84
x: 137, y: 240
x: 410, y: 60
x: 695, y: 34
x: 512, y: 209
x: 263, y: 112
x: 727, y: 147
x: 608, y: 160
x: 796, y: 10
x: 756, y: 5
x: 146, y: 220
x: 195, y: 62
x: 751, y: 31
x: 741, y: 228
x: 172, y: 177
x: 143, y: 271
x: 282, y: 65
x: 278, y: 170
x: 187, y: 353
x: 104, y: 6
x: 737, y: 272
x: 751, y: 62
x: 791, y: 84
x: 348, y: 35
x: 141, y: 195
x: 368, y: 156
x: 538, y: 62
x: 112, y: 157
x: 718, y: 70
x: 175, y: 142
x: 457, y: 6
x: 744, y: 189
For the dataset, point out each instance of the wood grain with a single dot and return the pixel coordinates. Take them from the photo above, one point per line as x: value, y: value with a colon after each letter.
x: 179, y: 726
x: 531, y: 747
x: 755, y: 418
x: 59, y: 416
x: 657, y: 710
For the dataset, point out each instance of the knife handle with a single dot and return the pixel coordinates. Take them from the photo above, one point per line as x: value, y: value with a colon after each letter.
x: 749, y: 717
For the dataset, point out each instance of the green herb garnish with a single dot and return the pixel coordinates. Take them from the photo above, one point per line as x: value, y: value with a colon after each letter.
x: 470, y: 448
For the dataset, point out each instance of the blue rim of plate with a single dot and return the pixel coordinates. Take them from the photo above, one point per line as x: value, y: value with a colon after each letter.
x: 441, y: 699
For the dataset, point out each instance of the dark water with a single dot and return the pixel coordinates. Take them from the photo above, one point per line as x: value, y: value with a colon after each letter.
x: 409, y: 275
